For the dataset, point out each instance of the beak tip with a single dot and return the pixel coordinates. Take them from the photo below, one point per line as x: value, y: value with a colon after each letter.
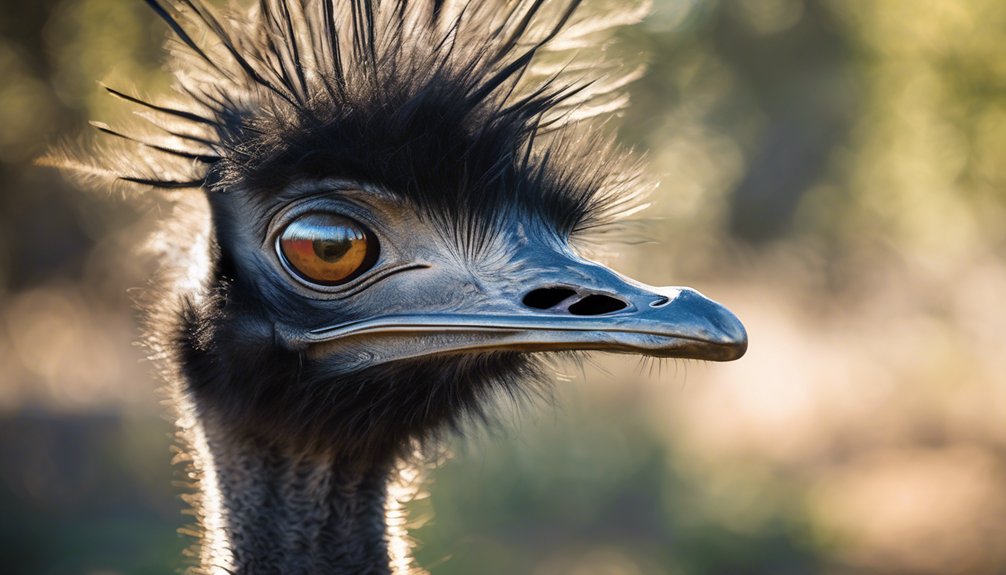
x: 736, y: 348
x: 736, y: 337
x: 725, y: 335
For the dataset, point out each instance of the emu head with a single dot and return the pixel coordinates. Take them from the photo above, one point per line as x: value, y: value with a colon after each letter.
x: 395, y: 189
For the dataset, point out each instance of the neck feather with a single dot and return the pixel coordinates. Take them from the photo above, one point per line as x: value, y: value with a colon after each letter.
x: 263, y: 508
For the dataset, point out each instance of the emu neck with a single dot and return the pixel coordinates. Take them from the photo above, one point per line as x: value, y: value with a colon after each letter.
x: 266, y: 509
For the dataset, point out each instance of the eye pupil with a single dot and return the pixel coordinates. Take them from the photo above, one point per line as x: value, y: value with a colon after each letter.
x: 332, y: 250
x: 326, y: 248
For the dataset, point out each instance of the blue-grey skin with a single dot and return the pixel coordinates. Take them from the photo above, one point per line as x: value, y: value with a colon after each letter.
x: 435, y: 300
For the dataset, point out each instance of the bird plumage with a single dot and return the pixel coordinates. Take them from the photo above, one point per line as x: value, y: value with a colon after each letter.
x: 457, y: 105
x: 459, y: 108
x: 460, y: 139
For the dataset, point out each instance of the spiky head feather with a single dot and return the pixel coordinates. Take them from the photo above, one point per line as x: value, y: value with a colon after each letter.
x: 462, y: 106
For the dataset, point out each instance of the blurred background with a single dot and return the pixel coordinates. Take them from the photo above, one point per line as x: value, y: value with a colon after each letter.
x: 834, y: 171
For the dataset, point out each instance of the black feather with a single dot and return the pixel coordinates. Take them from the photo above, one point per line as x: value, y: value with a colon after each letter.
x: 437, y: 102
x: 183, y: 114
x: 444, y: 113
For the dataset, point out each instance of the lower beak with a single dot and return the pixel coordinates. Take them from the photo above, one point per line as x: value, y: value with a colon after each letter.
x: 600, y: 310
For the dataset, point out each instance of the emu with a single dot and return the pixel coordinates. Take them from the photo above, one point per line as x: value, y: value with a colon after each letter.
x: 393, y: 193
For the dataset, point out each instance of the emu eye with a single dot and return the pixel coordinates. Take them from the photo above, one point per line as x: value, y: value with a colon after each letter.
x: 327, y: 249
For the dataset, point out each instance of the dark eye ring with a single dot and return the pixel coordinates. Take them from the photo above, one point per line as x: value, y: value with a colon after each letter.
x: 326, y: 248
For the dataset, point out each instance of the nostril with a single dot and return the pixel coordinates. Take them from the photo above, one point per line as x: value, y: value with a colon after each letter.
x: 660, y: 302
x: 596, y: 304
x: 546, y: 298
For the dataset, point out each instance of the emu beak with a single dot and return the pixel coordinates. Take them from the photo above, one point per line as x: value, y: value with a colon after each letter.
x: 558, y: 302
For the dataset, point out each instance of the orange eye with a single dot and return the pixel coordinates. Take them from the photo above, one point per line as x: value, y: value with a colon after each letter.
x: 327, y: 249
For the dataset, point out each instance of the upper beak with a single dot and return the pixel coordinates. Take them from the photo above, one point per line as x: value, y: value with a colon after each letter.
x: 561, y: 303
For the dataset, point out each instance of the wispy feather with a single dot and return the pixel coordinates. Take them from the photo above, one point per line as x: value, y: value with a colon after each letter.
x: 464, y: 106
